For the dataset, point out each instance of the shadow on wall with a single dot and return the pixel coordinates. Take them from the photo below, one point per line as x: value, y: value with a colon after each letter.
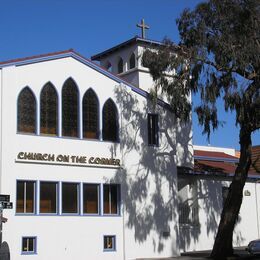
x: 209, y: 200
x: 4, y: 251
x: 149, y: 187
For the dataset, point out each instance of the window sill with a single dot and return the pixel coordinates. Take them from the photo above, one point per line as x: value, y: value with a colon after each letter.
x: 28, y: 253
x: 109, y: 250
x: 25, y: 214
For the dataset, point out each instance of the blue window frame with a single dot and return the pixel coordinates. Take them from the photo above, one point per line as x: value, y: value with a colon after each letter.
x: 91, y: 198
x: 70, y: 198
x: 111, y: 199
x: 25, y: 197
x: 109, y: 243
x: 29, y: 245
x: 49, y: 194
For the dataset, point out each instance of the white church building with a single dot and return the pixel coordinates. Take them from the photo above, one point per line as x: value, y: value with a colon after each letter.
x: 90, y: 162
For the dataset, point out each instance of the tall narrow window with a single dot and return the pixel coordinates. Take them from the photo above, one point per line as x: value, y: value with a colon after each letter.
x: 153, y: 138
x: 91, y: 198
x: 110, y: 121
x: 25, y: 197
x: 111, y: 199
x: 48, y: 197
x: 120, y: 66
x: 70, y: 201
x: 70, y: 98
x: 26, y: 114
x: 49, y: 110
x: 132, y: 61
x: 90, y: 115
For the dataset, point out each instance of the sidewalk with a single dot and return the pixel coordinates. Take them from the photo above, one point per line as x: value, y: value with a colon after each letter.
x: 240, y: 253
x: 203, y: 255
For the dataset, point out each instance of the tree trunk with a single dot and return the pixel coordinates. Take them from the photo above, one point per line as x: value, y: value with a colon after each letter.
x: 223, y: 243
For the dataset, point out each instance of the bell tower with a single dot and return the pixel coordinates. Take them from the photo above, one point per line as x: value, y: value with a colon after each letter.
x: 124, y: 59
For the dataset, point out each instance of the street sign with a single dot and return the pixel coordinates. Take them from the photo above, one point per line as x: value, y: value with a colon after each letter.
x: 8, y: 205
x: 4, y: 197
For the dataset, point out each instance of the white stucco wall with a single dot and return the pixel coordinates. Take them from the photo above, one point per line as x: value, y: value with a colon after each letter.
x: 148, y: 176
x: 201, y: 236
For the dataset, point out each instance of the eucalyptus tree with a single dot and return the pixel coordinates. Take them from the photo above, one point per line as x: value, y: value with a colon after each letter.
x: 218, y: 57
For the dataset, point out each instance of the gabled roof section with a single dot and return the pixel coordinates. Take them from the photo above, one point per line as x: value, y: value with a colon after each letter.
x: 214, y: 156
x: 217, y: 164
x: 71, y: 53
x: 36, y: 58
x: 134, y: 40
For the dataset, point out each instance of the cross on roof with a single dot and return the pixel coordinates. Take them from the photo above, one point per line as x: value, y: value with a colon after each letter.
x: 144, y: 27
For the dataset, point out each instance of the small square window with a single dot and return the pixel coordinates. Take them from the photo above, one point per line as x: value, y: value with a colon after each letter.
x: 109, y: 243
x: 29, y: 245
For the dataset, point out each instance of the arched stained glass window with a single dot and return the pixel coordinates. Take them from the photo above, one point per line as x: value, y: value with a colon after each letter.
x: 90, y: 115
x: 49, y: 110
x: 26, y: 114
x: 70, y: 109
x: 120, y: 68
x: 110, y: 121
x: 132, y: 61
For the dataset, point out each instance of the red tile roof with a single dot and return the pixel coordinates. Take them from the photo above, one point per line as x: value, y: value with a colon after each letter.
x: 213, y: 154
x: 256, y: 158
x: 205, y: 166
x: 217, y: 163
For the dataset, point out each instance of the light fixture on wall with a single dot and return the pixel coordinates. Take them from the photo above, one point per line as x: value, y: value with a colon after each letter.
x: 247, y: 193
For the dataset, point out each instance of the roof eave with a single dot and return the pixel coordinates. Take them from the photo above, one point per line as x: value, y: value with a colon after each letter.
x: 71, y: 53
x: 124, y: 44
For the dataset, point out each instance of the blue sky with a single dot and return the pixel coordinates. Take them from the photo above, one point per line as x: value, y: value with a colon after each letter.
x: 29, y: 27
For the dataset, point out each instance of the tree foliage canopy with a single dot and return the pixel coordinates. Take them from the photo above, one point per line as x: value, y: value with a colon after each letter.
x: 218, y: 57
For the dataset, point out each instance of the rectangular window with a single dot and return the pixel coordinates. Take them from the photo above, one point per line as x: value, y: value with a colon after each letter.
x: 109, y: 243
x: 48, y: 197
x: 111, y: 198
x: 29, y: 245
x: 90, y: 198
x: 153, y: 138
x: 70, y: 195
x: 25, y: 197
